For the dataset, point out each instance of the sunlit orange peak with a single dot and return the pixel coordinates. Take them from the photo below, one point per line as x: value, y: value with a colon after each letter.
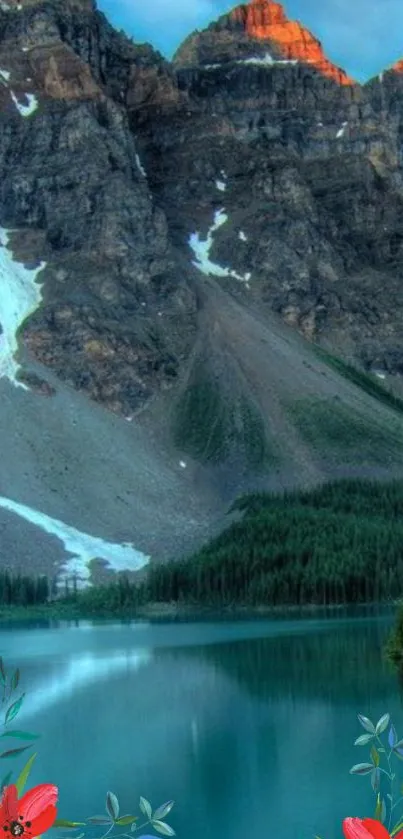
x: 266, y: 19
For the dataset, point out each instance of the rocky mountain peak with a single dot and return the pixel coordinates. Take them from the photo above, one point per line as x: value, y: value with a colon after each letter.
x: 267, y: 20
x: 20, y: 5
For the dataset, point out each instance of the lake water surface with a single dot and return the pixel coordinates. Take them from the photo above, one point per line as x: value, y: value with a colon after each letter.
x: 249, y: 726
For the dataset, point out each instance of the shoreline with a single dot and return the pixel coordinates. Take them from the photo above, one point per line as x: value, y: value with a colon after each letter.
x: 185, y: 612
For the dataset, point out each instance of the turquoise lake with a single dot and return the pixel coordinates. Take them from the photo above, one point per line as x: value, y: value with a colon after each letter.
x: 249, y: 726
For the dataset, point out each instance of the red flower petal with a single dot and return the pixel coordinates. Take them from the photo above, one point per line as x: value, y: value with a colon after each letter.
x: 38, y: 807
x: 44, y: 821
x: 364, y: 829
x: 8, y: 804
x: 36, y: 800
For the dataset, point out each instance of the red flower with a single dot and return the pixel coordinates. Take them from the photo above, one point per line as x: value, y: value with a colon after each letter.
x: 30, y: 815
x: 367, y: 829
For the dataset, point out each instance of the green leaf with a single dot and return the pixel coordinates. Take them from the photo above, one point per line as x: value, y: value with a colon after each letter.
x: 112, y: 805
x: 3, y: 677
x: 163, y: 810
x: 6, y: 780
x: 15, y: 679
x: 24, y: 774
x: 366, y: 723
x: 124, y: 820
x: 361, y: 769
x: 13, y: 709
x: 21, y: 735
x: 363, y: 739
x: 378, y: 808
x: 383, y: 813
x: 163, y: 828
x: 14, y: 752
x: 375, y: 779
x: 67, y: 823
x: 396, y: 829
x: 382, y: 724
x: 145, y: 807
x: 375, y: 756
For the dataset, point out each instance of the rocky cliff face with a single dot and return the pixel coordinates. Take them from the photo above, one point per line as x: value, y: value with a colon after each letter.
x: 313, y: 164
x: 251, y: 161
x: 204, y: 225
x: 72, y: 182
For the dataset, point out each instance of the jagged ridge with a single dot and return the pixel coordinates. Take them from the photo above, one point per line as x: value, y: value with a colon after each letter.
x: 266, y: 20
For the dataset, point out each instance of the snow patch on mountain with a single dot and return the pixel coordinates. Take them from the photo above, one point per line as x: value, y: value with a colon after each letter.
x: 242, y: 236
x: 26, y: 110
x: 82, y: 546
x: 202, y: 247
x: 140, y: 166
x: 342, y: 130
x: 20, y: 295
x: 266, y: 60
x: 221, y: 183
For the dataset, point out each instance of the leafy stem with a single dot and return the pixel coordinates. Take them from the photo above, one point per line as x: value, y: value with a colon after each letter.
x: 397, y: 802
x: 108, y: 831
x: 390, y: 775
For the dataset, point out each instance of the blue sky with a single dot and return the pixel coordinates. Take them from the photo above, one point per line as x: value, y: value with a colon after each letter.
x: 362, y: 36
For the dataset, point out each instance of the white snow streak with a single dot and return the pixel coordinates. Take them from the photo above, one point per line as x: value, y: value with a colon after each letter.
x: 20, y: 295
x: 83, y: 547
x: 201, y: 249
x: 242, y: 236
x: 221, y: 184
x: 140, y: 166
x: 341, y: 131
x: 26, y: 110
x: 380, y: 375
x: 266, y: 60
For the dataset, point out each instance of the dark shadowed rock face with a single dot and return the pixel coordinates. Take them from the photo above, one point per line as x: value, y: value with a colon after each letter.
x: 314, y: 178
x: 126, y: 156
x: 72, y: 181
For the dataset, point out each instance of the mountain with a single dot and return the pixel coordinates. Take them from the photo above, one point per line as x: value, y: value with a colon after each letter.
x: 187, y: 249
x: 259, y: 22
